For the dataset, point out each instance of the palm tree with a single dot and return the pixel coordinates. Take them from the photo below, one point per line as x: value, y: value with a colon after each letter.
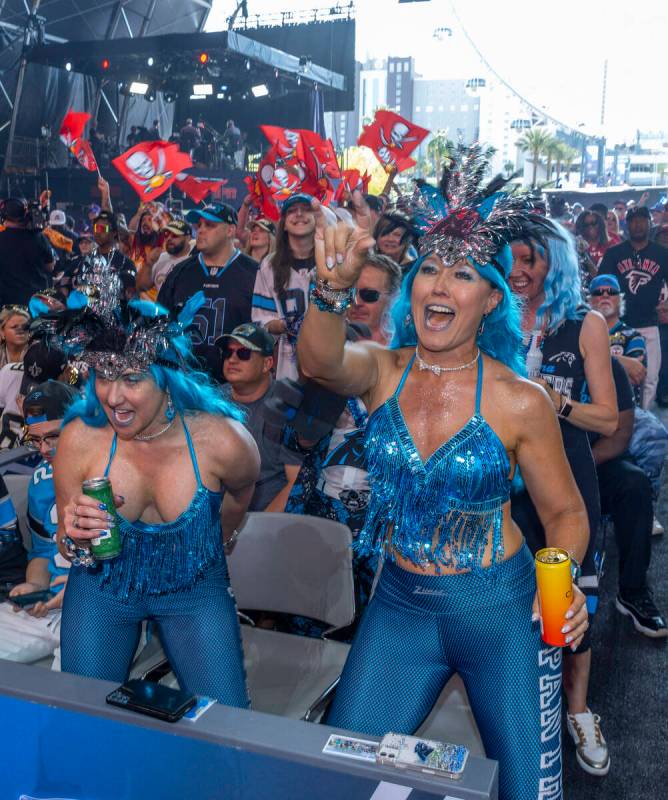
x: 509, y: 167
x: 535, y: 142
x: 552, y: 149
x: 439, y: 149
x: 570, y: 154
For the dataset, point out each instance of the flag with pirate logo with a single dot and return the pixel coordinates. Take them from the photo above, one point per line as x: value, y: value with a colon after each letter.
x: 323, y: 174
x: 392, y: 139
x: 151, y: 167
x: 72, y: 127
x: 83, y: 153
x: 352, y: 180
x: 286, y: 142
x: 197, y: 188
x: 275, y: 181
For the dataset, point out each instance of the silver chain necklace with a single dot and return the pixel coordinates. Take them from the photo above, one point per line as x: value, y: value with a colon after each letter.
x: 147, y: 437
x: 422, y: 364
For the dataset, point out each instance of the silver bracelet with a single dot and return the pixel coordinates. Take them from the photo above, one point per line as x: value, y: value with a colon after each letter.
x: 79, y: 556
x: 229, y: 544
x: 327, y: 298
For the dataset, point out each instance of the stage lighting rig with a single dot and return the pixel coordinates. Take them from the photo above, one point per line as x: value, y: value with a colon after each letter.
x: 169, y: 96
x: 138, y: 87
x: 203, y: 58
x: 68, y: 66
x: 202, y: 89
x: 105, y: 64
x: 261, y: 90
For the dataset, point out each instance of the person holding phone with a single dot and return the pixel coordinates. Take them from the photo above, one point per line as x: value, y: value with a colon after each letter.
x: 32, y: 631
x: 450, y: 421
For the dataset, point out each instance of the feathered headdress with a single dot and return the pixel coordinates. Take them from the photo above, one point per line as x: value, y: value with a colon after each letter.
x: 467, y: 219
x: 112, y: 336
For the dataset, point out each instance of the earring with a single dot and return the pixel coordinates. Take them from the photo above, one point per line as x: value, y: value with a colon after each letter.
x: 481, y: 327
x: 170, y: 411
x: 408, y: 319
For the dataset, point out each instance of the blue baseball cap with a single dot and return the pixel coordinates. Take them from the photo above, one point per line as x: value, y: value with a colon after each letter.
x: 605, y: 281
x: 214, y: 212
x: 301, y: 197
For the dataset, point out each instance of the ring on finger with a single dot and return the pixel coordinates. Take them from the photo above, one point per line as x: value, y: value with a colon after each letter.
x: 75, y: 521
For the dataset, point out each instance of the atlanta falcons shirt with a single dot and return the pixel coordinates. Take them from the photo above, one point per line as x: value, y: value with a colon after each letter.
x: 642, y: 275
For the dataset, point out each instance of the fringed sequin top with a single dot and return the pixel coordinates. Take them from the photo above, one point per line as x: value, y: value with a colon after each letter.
x: 442, y: 511
x: 167, y: 557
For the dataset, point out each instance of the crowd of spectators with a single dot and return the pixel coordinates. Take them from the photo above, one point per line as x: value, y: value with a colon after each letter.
x: 255, y: 276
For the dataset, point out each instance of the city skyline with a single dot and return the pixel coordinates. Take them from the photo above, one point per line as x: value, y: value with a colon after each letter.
x: 554, y: 58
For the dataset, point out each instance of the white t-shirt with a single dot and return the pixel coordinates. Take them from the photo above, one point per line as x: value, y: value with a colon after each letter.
x: 163, y: 266
x: 335, y: 480
x: 11, y: 376
x: 267, y: 307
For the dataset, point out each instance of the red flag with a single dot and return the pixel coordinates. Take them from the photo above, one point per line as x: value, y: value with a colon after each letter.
x: 392, y: 138
x: 197, y: 188
x: 151, y: 167
x: 83, y: 153
x: 73, y: 126
x: 286, y: 142
x: 352, y: 180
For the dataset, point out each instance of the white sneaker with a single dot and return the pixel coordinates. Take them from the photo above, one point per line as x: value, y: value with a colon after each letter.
x: 590, y: 747
x: 657, y: 527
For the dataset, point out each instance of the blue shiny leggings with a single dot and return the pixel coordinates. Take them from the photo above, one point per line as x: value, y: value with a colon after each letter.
x: 418, y: 630
x: 198, y: 629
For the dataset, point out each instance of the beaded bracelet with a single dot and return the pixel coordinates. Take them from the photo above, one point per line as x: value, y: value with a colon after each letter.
x: 326, y: 298
x: 79, y: 556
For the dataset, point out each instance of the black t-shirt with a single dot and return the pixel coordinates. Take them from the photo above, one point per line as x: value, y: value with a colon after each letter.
x: 229, y: 296
x: 24, y: 255
x: 642, y: 275
x: 121, y: 264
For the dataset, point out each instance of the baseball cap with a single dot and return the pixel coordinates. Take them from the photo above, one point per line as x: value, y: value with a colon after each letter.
x: 93, y: 208
x: 57, y: 217
x: 301, y: 197
x: 638, y: 211
x: 41, y: 363
x: 607, y: 281
x: 214, y: 212
x: 84, y: 232
x: 14, y: 209
x: 252, y: 336
x: 661, y: 203
x: 179, y: 227
x: 48, y: 401
x: 106, y: 216
x: 374, y: 202
x: 265, y: 224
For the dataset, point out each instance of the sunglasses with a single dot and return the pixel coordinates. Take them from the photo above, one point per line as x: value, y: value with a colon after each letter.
x: 369, y: 295
x: 242, y: 353
x: 605, y: 291
x: 35, y: 442
x: 102, y: 227
x: 591, y: 224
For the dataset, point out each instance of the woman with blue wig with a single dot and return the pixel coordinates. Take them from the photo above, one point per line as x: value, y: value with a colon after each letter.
x: 183, y: 470
x: 450, y: 421
x: 567, y: 352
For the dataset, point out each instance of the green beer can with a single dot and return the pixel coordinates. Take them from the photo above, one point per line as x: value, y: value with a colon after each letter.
x: 108, y: 542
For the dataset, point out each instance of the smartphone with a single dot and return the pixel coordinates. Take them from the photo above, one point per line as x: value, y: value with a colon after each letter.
x: 29, y: 599
x: 152, y: 699
x: 423, y: 755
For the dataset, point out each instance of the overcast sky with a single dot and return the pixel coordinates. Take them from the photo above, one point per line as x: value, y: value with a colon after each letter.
x: 552, y: 53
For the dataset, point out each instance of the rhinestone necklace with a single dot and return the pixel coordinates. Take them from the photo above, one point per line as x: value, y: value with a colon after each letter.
x: 422, y: 364
x: 147, y: 437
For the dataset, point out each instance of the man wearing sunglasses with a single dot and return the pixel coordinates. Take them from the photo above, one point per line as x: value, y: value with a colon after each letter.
x: 626, y: 344
x: 248, y: 358
x: 641, y: 268
x: 32, y: 632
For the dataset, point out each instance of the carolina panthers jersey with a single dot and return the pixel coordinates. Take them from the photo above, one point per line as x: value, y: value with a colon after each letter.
x: 43, y: 520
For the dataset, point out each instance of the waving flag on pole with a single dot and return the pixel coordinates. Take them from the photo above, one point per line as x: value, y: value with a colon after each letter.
x: 392, y: 138
x: 83, y: 153
x: 151, y: 167
x: 72, y: 127
x: 197, y: 188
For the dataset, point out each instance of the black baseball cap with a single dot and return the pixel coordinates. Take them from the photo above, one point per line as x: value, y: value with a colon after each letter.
x: 179, y: 227
x: 106, y: 216
x: 300, y: 197
x: 48, y: 401
x: 638, y: 211
x: 374, y: 202
x: 214, y: 212
x: 15, y: 209
x: 41, y: 363
x: 252, y: 336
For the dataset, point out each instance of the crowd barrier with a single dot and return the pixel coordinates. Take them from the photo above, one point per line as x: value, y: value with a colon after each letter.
x: 61, y: 740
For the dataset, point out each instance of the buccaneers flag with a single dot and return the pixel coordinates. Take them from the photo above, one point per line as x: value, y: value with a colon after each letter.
x: 352, y: 180
x: 151, y: 167
x: 392, y: 138
x: 83, y: 153
x: 73, y: 126
x: 197, y: 188
x: 322, y: 168
x: 287, y: 143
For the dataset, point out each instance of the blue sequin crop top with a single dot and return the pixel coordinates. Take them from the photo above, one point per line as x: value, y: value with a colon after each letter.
x: 442, y: 511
